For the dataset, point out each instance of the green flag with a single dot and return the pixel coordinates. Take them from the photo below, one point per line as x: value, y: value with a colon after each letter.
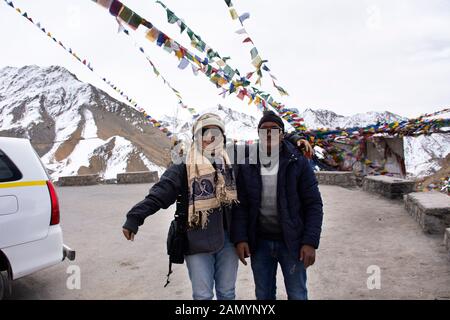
x: 171, y: 17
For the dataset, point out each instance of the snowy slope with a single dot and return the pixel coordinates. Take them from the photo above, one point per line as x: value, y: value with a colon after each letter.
x: 75, y: 127
x: 424, y: 154
x: 322, y: 118
x: 238, y: 125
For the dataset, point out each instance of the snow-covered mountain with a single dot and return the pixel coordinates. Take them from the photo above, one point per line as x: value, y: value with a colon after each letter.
x: 423, y: 154
x: 78, y: 129
x: 75, y: 127
x: 322, y: 118
x: 238, y: 125
x: 242, y: 126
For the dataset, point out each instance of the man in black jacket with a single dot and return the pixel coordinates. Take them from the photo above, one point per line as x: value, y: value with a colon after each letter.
x: 279, y: 216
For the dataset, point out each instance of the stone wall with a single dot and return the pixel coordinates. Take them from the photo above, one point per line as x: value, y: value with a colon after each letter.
x: 390, y: 187
x: 338, y: 178
x: 138, y: 177
x: 122, y: 178
x: 430, y: 209
x: 82, y: 180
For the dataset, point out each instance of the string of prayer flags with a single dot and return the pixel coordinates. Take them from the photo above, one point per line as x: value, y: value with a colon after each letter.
x: 216, y: 75
x: 158, y: 74
x: 198, y: 43
x: 196, y: 40
x: 88, y: 65
x: 257, y: 61
x: 228, y: 72
x: 328, y: 139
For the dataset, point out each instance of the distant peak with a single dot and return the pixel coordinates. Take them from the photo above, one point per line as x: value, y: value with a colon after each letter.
x: 38, y: 69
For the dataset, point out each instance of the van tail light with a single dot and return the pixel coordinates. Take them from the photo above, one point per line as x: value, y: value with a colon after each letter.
x: 55, y: 205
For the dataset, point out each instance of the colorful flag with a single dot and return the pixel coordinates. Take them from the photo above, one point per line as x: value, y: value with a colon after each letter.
x: 183, y: 64
x: 125, y: 14
x: 135, y: 21
x: 161, y: 39
x: 152, y: 34
x: 233, y: 14
x: 254, y: 53
x: 115, y: 7
x: 244, y: 17
x: 171, y: 17
x: 105, y: 3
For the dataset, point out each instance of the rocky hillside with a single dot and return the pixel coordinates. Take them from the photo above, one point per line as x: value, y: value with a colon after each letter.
x: 75, y: 127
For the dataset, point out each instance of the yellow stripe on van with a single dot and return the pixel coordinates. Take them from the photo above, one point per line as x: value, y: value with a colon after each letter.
x: 23, y: 184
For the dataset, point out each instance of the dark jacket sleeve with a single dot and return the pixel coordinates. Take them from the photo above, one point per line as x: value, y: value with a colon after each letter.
x: 312, y: 206
x: 239, y: 221
x: 293, y: 137
x: 162, y: 195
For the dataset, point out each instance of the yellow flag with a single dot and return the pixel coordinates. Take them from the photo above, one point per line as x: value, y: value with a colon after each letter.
x: 152, y: 34
x: 222, y: 81
x: 234, y: 14
x: 257, y: 61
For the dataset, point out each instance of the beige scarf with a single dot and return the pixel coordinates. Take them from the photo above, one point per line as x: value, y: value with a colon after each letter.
x: 208, y: 188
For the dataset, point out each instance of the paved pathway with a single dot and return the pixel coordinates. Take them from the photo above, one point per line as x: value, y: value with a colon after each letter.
x: 360, y: 230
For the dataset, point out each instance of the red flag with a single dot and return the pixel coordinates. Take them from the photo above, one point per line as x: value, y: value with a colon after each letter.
x: 247, y: 40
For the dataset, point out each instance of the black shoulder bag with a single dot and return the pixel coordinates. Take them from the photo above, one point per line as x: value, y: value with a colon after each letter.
x: 177, y: 242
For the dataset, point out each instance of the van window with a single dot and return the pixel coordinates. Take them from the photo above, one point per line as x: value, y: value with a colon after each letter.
x: 8, y: 170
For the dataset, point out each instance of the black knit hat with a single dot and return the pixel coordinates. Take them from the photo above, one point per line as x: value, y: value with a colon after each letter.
x: 270, y: 116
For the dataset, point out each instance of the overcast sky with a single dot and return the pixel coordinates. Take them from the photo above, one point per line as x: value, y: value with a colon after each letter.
x: 348, y: 56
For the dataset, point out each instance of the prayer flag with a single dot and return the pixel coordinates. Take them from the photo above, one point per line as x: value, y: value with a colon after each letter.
x: 244, y: 17
x: 161, y: 39
x: 125, y: 14
x: 233, y: 14
x: 105, y: 3
x: 254, y: 53
x: 115, y: 7
x: 135, y: 21
x: 183, y: 64
x: 152, y: 34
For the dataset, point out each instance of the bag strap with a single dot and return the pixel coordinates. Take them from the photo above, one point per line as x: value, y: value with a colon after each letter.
x: 168, y: 274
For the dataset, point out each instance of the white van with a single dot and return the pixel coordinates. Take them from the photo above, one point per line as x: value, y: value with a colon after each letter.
x: 30, y: 234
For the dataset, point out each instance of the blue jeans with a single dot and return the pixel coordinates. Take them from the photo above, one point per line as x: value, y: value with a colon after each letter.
x: 219, y: 268
x: 264, y: 265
